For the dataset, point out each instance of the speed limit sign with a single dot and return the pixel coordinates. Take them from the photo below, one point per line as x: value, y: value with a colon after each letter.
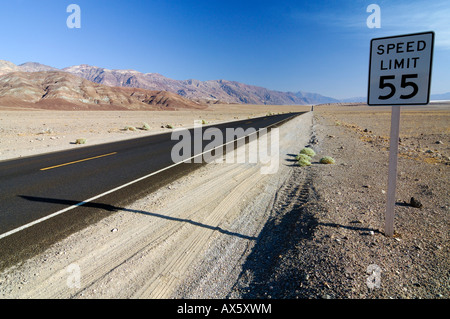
x: 400, y: 69
x: 399, y: 74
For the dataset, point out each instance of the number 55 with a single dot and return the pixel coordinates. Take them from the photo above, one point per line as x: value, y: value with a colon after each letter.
x: 404, y: 84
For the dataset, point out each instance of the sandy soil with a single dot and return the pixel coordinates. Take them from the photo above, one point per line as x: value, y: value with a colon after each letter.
x: 228, y: 231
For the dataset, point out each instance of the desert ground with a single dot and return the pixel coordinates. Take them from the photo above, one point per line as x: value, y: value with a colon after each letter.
x: 228, y: 231
x: 28, y: 132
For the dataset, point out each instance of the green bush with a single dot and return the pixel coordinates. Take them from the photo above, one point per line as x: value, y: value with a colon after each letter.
x: 303, y: 157
x: 308, y: 151
x: 129, y: 128
x: 303, y: 162
x: 145, y: 127
x: 80, y: 141
x: 327, y: 160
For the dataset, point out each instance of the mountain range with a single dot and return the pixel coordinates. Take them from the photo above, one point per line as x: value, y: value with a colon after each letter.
x: 133, y: 89
x: 29, y: 86
x: 212, y: 91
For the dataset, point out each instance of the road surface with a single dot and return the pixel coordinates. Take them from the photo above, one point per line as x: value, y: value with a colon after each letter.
x: 44, y: 198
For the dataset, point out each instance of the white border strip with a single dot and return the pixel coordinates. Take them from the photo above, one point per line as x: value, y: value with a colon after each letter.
x: 13, y: 231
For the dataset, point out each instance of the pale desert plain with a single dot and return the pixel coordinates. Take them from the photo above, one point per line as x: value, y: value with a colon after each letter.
x: 304, y: 232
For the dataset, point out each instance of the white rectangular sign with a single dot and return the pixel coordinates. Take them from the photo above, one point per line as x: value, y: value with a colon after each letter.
x: 400, y: 69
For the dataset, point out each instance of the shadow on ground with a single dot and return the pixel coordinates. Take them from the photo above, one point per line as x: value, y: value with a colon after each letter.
x: 288, y: 224
x: 112, y: 208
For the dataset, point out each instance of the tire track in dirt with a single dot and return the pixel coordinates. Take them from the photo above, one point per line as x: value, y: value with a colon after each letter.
x: 197, y: 239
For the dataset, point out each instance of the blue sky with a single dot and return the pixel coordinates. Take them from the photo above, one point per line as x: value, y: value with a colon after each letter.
x: 314, y: 46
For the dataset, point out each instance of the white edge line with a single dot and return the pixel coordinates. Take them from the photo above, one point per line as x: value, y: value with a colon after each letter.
x: 40, y: 220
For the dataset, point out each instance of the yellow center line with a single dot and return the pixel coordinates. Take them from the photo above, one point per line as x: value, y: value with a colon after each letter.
x: 83, y: 160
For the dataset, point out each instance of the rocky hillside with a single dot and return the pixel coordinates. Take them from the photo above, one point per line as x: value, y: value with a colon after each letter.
x: 61, y: 90
x: 7, y: 67
x: 35, y: 67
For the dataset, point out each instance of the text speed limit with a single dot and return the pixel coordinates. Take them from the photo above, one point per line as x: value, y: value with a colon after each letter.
x: 400, y: 69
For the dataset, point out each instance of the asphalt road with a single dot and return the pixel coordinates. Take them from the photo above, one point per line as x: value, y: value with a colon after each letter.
x: 47, y: 197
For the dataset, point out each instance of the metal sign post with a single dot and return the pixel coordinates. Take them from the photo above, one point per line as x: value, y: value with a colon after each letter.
x: 392, y: 173
x: 399, y: 74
